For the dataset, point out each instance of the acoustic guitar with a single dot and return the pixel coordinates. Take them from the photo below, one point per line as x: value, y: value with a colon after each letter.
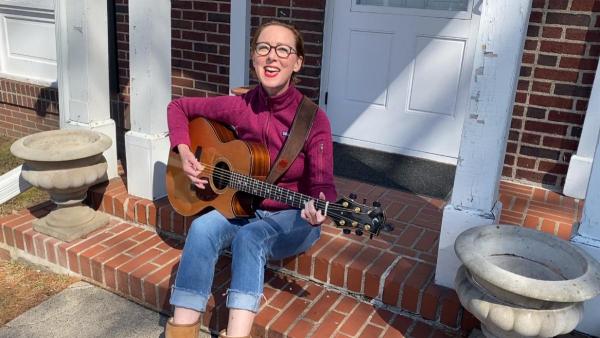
x: 236, y: 171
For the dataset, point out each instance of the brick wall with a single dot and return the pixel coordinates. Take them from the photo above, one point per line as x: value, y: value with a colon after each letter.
x: 559, y: 62
x: 27, y: 108
x: 558, y: 67
x: 200, y: 31
x: 121, y: 101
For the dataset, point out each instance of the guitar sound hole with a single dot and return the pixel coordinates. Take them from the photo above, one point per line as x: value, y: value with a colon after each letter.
x: 221, y: 175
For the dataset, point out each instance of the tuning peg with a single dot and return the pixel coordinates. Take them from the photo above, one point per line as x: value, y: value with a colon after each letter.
x: 388, y: 227
x: 376, y: 204
x: 358, y: 232
x: 352, y: 196
x: 347, y: 231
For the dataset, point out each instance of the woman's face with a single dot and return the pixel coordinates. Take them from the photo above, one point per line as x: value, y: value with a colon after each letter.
x: 274, y: 72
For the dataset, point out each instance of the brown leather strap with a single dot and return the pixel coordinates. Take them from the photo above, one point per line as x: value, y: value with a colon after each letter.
x: 298, y: 134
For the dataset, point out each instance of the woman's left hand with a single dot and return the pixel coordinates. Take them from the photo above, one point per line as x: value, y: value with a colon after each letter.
x: 311, y: 214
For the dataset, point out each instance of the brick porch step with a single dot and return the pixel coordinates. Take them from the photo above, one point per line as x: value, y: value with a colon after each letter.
x: 395, y: 268
x: 135, y: 262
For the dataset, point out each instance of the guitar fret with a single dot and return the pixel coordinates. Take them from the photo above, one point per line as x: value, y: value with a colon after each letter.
x: 266, y: 190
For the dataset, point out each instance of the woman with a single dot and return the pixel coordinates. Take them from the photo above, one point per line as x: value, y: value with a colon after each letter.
x: 263, y: 114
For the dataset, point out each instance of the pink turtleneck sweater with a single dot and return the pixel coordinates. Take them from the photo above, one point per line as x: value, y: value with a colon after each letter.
x: 260, y: 118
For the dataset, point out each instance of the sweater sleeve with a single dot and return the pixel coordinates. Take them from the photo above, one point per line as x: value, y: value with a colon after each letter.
x: 225, y: 109
x: 319, y: 155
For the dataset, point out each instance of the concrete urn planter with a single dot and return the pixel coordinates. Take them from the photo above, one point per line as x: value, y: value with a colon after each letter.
x: 523, y: 283
x: 65, y: 163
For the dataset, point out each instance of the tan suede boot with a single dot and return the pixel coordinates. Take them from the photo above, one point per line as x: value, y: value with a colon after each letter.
x: 223, y: 335
x: 173, y: 330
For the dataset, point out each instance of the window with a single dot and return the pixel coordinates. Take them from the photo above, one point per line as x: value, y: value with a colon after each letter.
x: 444, y: 5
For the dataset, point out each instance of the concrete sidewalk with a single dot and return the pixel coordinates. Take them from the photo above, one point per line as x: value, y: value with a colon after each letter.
x: 84, y: 310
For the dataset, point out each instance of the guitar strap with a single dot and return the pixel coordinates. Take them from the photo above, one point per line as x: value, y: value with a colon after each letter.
x: 296, y: 138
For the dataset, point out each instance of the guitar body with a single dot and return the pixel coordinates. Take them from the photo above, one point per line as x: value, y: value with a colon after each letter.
x: 216, y: 146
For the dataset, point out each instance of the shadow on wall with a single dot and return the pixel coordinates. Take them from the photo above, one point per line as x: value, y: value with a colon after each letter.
x: 47, y: 100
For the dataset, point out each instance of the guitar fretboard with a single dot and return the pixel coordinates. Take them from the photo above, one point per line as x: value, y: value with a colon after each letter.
x: 267, y: 190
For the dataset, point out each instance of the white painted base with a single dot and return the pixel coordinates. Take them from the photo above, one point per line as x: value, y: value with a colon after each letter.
x: 590, y: 324
x: 12, y: 184
x: 147, y: 157
x: 108, y: 128
x: 454, y: 222
x: 578, y: 176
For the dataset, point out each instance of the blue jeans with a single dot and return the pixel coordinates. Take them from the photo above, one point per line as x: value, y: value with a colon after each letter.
x: 270, y: 235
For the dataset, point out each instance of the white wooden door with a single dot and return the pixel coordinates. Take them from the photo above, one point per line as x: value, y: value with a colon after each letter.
x: 27, y: 40
x: 399, y: 74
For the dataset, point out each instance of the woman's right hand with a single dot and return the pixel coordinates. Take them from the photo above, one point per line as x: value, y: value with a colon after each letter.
x: 191, y: 167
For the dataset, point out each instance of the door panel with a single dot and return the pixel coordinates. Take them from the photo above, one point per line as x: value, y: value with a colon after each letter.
x: 27, y: 39
x: 376, y: 74
x: 398, y: 82
x: 429, y: 65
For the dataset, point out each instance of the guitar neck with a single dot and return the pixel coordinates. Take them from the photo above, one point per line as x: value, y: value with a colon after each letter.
x: 271, y: 191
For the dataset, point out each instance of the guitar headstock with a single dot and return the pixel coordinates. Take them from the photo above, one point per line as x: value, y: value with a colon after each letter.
x: 350, y: 215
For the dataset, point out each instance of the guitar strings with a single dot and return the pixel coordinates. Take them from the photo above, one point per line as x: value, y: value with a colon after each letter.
x: 298, y: 198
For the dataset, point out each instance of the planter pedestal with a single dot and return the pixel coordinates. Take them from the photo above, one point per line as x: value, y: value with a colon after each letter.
x: 65, y: 163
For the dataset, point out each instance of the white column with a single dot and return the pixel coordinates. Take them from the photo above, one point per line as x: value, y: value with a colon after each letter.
x: 239, y: 40
x: 147, y: 144
x: 580, y: 164
x: 82, y: 59
x: 587, y: 237
x: 493, y: 84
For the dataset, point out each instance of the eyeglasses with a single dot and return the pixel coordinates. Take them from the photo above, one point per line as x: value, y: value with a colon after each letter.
x: 283, y: 51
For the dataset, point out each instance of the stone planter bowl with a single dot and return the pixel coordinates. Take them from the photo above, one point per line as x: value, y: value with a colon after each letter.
x: 521, y: 282
x: 65, y: 163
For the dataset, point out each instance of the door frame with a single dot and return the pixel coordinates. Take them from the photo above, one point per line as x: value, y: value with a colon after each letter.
x: 325, y: 70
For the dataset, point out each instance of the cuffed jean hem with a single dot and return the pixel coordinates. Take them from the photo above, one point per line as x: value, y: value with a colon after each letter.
x: 244, y: 301
x: 188, y: 299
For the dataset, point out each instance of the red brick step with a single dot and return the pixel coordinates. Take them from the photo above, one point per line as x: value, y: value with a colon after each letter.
x: 136, y: 263
x: 395, y: 268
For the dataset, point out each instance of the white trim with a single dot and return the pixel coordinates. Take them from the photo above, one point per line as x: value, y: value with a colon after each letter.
x: 82, y: 60
x: 425, y: 12
x: 11, y: 184
x: 590, y: 217
x: 40, y: 6
x: 62, y: 52
x: 147, y: 144
x: 500, y: 41
x: 474, y: 201
x: 327, y: 36
x: 580, y: 165
x: 149, y: 64
x: 147, y: 157
x: 30, y: 80
x: 578, y: 176
x: 239, y: 38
